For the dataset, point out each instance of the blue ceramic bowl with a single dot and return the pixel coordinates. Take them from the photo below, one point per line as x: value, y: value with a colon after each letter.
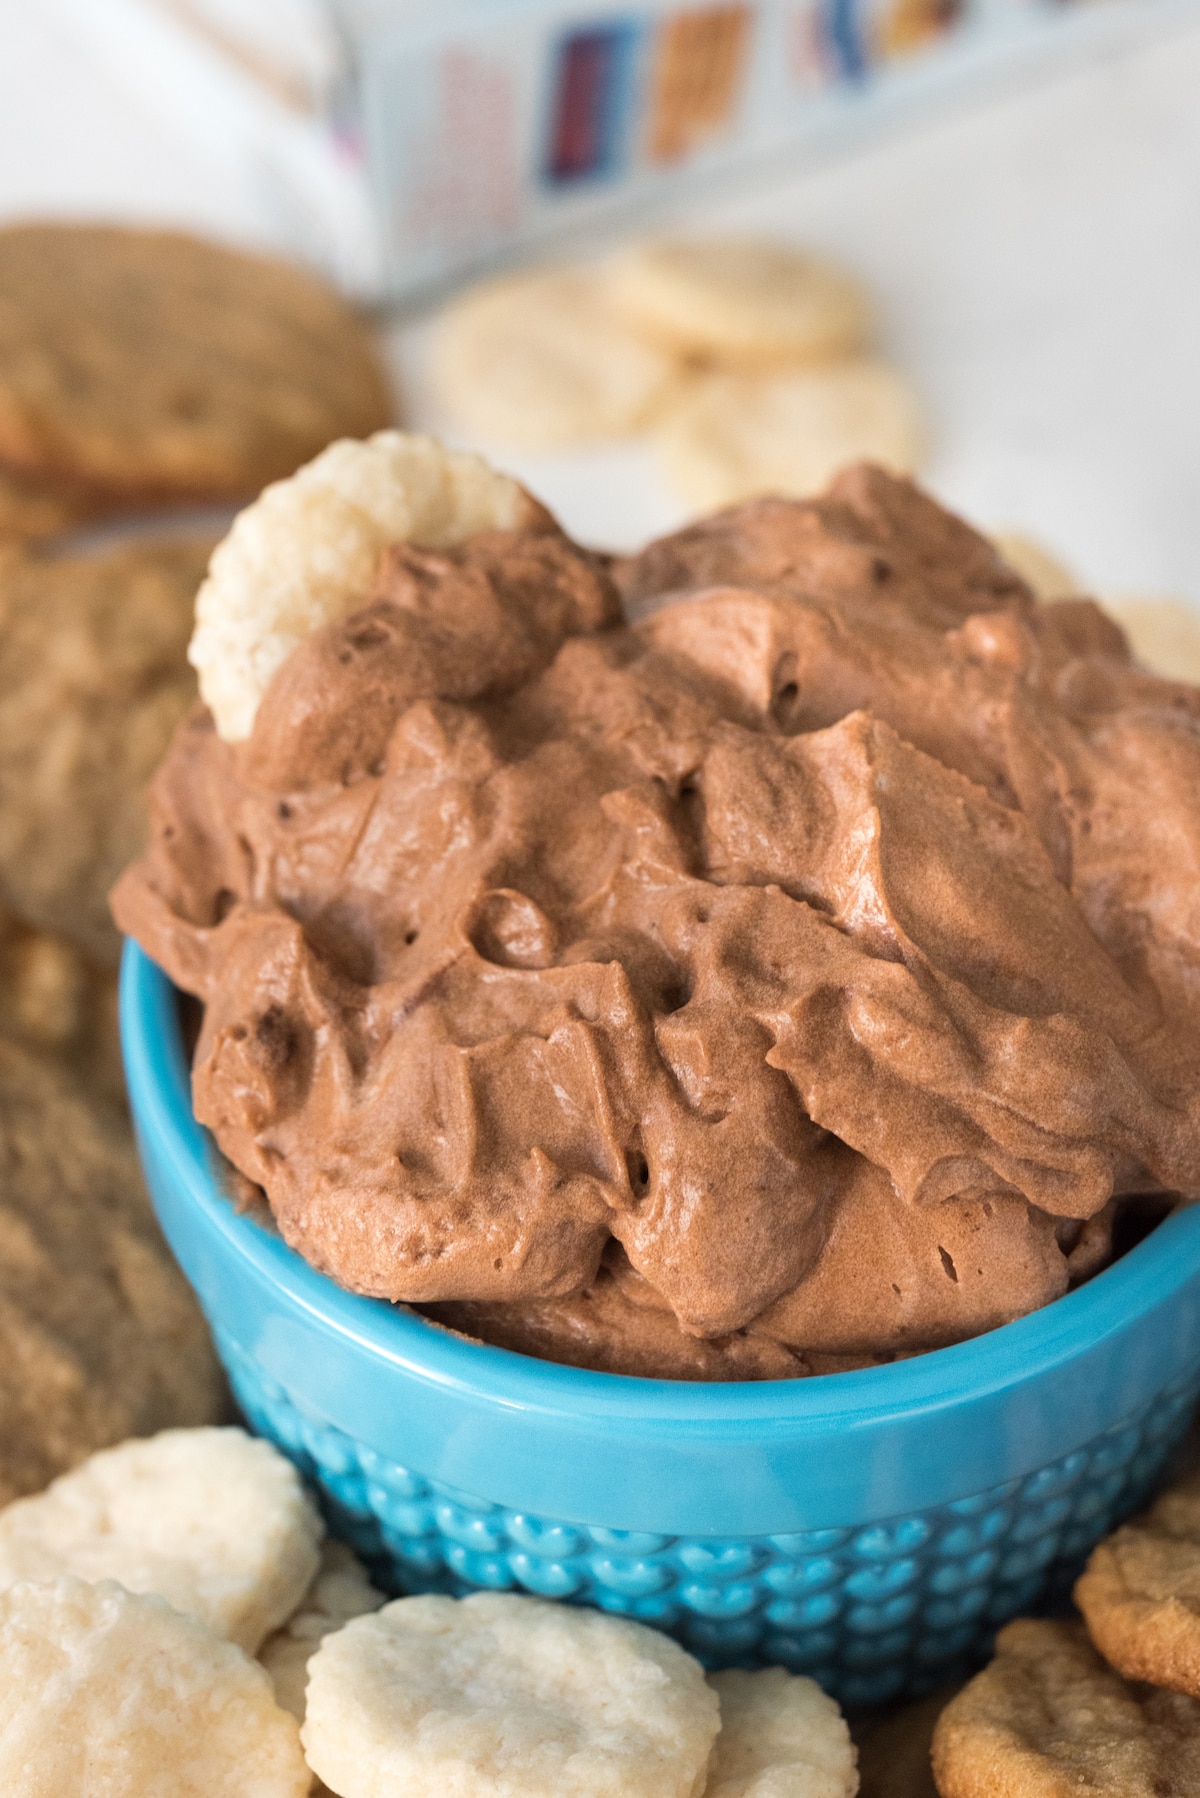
x: 869, y: 1528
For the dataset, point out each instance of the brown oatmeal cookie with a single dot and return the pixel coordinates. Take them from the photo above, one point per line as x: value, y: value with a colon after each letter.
x: 99, y: 1336
x: 1140, y: 1593
x: 93, y: 680
x: 1048, y: 1719
x: 31, y: 508
x: 151, y: 365
x: 56, y: 999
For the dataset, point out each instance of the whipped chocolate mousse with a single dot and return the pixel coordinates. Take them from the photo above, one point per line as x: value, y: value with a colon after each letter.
x: 804, y: 974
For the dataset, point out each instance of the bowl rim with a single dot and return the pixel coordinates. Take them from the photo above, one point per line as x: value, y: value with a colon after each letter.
x: 1148, y: 1279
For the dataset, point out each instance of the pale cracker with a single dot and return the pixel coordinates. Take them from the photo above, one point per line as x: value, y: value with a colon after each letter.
x: 540, y: 360
x: 340, y: 1591
x: 739, y: 302
x: 737, y: 436
x: 495, y: 1696
x: 211, y: 1520
x: 303, y: 555
x: 780, y: 1737
x: 104, y: 1694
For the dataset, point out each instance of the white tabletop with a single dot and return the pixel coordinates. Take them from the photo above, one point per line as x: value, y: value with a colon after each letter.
x: 1036, y: 255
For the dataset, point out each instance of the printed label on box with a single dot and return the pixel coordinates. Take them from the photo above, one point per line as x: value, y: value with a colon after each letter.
x: 593, y: 92
x: 700, y: 60
x: 495, y: 126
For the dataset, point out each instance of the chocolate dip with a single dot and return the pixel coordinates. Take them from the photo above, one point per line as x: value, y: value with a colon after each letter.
x: 800, y: 976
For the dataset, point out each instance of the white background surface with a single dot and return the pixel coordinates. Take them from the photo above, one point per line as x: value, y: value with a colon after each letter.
x: 1036, y: 255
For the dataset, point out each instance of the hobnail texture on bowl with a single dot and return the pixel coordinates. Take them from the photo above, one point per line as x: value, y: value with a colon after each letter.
x: 896, y: 1607
x: 872, y: 1529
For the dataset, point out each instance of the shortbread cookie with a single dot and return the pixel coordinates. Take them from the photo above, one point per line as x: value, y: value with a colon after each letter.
x: 149, y: 365
x: 305, y: 552
x: 541, y: 360
x: 780, y: 1737
x: 1140, y: 1593
x: 735, y: 436
x: 212, y: 1520
x: 738, y: 302
x: 104, y: 1694
x: 1164, y: 634
x: 93, y: 680
x: 340, y: 1591
x: 494, y: 1696
x: 1048, y: 1719
x: 100, y: 1337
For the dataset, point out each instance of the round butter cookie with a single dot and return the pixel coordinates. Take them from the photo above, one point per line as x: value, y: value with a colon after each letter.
x: 150, y: 366
x: 212, y: 1520
x: 104, y: 1694
x: 1140, y: 1593
x: 541, y: 361
x: 735, y: 436
x: 305, y: 552
x: 340, y: 1591
x: 93, y: 680
x: 738, y: 302
x: 495, y: 1696
x: 780, y: 1737
x: 1048, y: 1719
x: 100, y: 1337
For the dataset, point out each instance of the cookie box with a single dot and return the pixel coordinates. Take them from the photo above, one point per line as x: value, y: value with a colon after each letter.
x: 870, y: 1528
x: 488, y: 131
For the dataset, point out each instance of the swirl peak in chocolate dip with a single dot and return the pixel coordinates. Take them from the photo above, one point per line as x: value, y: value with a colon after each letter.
x: 801, y: 975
